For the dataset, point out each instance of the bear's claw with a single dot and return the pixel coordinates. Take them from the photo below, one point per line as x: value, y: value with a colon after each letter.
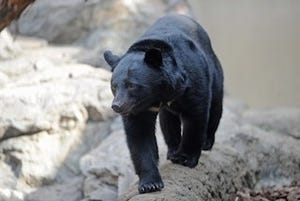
x: 151, y: 187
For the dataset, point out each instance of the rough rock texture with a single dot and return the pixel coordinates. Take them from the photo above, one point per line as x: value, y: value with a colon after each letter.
x: 46, y: 101
x: 283, y: 120
x: 94, y: 24
x: 68, y: 191
x: 70, y: 20
x: 39, y: 103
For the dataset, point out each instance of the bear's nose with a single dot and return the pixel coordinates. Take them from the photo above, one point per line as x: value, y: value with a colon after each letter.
x: 116, y: 108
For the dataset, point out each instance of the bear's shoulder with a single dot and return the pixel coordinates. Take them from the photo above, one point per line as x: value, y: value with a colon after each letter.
x: 171, y: 26
x: 172, y: 32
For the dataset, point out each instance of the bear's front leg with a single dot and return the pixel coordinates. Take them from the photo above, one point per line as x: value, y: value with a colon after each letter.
x: 140, y: 133
x: 194, y: 133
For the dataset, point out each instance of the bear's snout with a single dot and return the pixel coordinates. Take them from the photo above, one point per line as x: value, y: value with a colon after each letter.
x: 119, y: 106
x: 116, y: 108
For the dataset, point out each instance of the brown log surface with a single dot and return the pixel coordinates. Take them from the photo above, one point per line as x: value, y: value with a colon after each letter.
x: 10, y: 10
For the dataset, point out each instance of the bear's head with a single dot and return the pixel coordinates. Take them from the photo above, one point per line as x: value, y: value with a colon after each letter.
x: 137, y: 80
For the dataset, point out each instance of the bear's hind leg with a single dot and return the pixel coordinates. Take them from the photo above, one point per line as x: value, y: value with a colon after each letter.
x: 171, y: 128
x: 213, y: 123
x: 140, y: 133
x: 194, y: 134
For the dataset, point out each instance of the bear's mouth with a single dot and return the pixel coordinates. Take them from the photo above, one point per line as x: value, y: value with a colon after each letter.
x: 138, y: 107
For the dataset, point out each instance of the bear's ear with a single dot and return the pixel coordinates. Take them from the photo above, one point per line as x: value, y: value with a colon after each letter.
x: 111, y: 59
x: 153, y: 57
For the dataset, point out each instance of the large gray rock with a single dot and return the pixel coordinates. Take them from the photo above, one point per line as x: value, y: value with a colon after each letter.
x: 282, y: 120
x: 35, y: 159
x: 54, y: 98
x: 95, y: 24
x: 68, y: 191
x: 46, y: 101
x: 107, y: 168
x: 44, y: 166
x: 10, y: 195
x: 67, y: 21
x: 32, y: 55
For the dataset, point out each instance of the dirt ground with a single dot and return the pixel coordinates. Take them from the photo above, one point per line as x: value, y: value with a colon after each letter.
x: 286, y: 193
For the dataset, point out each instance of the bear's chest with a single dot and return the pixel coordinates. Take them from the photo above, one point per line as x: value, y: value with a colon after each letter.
x: 174, y: 107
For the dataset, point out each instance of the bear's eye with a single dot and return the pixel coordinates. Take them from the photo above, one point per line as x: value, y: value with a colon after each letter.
x: 113, y: 88
x: 129, y: 85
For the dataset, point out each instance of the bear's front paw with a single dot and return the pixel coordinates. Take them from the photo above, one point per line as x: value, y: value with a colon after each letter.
x: 185, y: 159
x: 152, y: 186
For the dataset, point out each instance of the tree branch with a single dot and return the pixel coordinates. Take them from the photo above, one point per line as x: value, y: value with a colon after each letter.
x: 11, y: 9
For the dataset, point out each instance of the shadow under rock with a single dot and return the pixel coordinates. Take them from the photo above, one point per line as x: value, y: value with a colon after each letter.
x: 68, y: 183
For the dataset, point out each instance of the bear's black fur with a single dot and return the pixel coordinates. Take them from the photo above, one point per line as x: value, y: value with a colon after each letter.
x: 171, y: 70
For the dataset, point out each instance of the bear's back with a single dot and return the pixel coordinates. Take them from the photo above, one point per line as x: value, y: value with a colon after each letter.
x: 176, y: 31
x: 173, y: 28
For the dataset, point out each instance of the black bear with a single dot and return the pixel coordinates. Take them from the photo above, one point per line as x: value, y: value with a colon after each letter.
x: 171, y: 71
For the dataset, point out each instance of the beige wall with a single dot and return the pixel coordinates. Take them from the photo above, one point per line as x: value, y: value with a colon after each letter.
x: 258, y: 43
